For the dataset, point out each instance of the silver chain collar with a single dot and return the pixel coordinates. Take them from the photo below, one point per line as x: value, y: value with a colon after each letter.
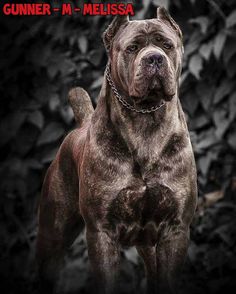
x: 122, y: 101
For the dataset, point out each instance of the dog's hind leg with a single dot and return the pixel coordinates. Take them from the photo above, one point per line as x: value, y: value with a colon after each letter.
x: 59, y: 219
x: 50, y: 255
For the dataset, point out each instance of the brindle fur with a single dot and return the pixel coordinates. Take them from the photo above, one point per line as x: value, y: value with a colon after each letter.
x: 130, y: 177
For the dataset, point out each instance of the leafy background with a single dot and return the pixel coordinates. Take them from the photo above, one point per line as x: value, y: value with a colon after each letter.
x: 43, y: 57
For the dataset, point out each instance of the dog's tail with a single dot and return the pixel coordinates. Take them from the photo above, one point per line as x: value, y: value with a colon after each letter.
x: 81, y: 104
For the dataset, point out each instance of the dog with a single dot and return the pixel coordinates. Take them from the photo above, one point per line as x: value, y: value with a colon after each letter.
x: 128, y: 170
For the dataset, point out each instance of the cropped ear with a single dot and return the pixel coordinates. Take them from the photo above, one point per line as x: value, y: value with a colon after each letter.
x: 164, y: 16
x: 112, y: 29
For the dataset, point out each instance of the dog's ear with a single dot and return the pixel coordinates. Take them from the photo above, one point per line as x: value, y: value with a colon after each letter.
x: 112, y: 29
x: 164, y: 16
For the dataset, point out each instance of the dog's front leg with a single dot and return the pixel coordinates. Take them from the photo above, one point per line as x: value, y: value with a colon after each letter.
x: 104, y: 257
x: 148, y: 254
x: 171, y: 252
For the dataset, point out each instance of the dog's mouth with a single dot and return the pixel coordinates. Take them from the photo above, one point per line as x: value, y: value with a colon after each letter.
x: 151, y: 99
x: 155, y: 93
x: 152, y: 94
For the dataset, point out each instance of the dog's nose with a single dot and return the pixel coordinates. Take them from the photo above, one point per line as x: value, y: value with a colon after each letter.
x: 155, y: 59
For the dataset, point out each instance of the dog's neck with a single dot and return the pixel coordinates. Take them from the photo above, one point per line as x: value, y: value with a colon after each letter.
x: 140, y: 131
x: 145, y: 104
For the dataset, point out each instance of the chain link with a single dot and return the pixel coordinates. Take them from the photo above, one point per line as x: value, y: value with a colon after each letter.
x: 122, y: 101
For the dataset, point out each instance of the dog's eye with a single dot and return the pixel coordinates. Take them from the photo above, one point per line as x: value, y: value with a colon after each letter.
x: 132, y: 48
x: 158, y: 39
x: 167, y: 45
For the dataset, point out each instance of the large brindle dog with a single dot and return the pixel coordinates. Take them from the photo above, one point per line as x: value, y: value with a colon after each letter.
x: 128, y: 170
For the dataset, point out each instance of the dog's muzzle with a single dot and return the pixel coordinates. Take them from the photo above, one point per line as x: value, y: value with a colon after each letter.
x: 153, y: 60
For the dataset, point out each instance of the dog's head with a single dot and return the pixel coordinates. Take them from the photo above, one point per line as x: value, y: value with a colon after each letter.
x: 145, y: 55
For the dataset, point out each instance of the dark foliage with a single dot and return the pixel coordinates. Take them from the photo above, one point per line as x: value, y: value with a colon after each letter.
x: 42, y: 57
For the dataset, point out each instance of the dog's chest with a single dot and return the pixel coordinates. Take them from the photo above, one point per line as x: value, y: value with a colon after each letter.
x: 138, y: 214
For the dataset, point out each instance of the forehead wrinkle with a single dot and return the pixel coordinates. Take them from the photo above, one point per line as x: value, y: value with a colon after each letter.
x: 144, y: 28
x: 131, y: 32
x: 165, y: 28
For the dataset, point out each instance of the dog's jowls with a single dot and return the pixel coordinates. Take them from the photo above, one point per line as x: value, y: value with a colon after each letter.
x: 129, y: 176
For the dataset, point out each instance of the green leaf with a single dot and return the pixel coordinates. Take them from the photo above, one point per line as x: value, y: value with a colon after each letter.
x: 51, y: 133
x: 164, y: 3
x: 72, y: 40
x: 54, y: 102
x: 221, y: 121
x: 231, y: 20
x: 83, y: 44
x: 224, y: 89
x: 67, y: 114
x: 208, y: 140
x: 145, y: 5
x: 229, y: 50
x: 206, y: 50
x: 40, y: 54
x: 202, y: 21
x: 67, y: 66
x: 219, y: 44
x: 205, y: 95
x: 36, y: 118
x: 52, y: 69
x: 184, y: 77
x: 232, y: 139
x: 195, y: 65
x: 231, y: 67
x: 232, y: 106
x: 193, y: 43
x: 48, y: 155
x: 95, y: 56
x: 222, y: 128
x: 97, y: 83
x: 223, y: 232
x: 42, y: 93
x: 205, y: 161
x: 201, y: 120
x: 33, y: 164
x: 219, y: 114
x: 10, y: 125
x: 190, y: 103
